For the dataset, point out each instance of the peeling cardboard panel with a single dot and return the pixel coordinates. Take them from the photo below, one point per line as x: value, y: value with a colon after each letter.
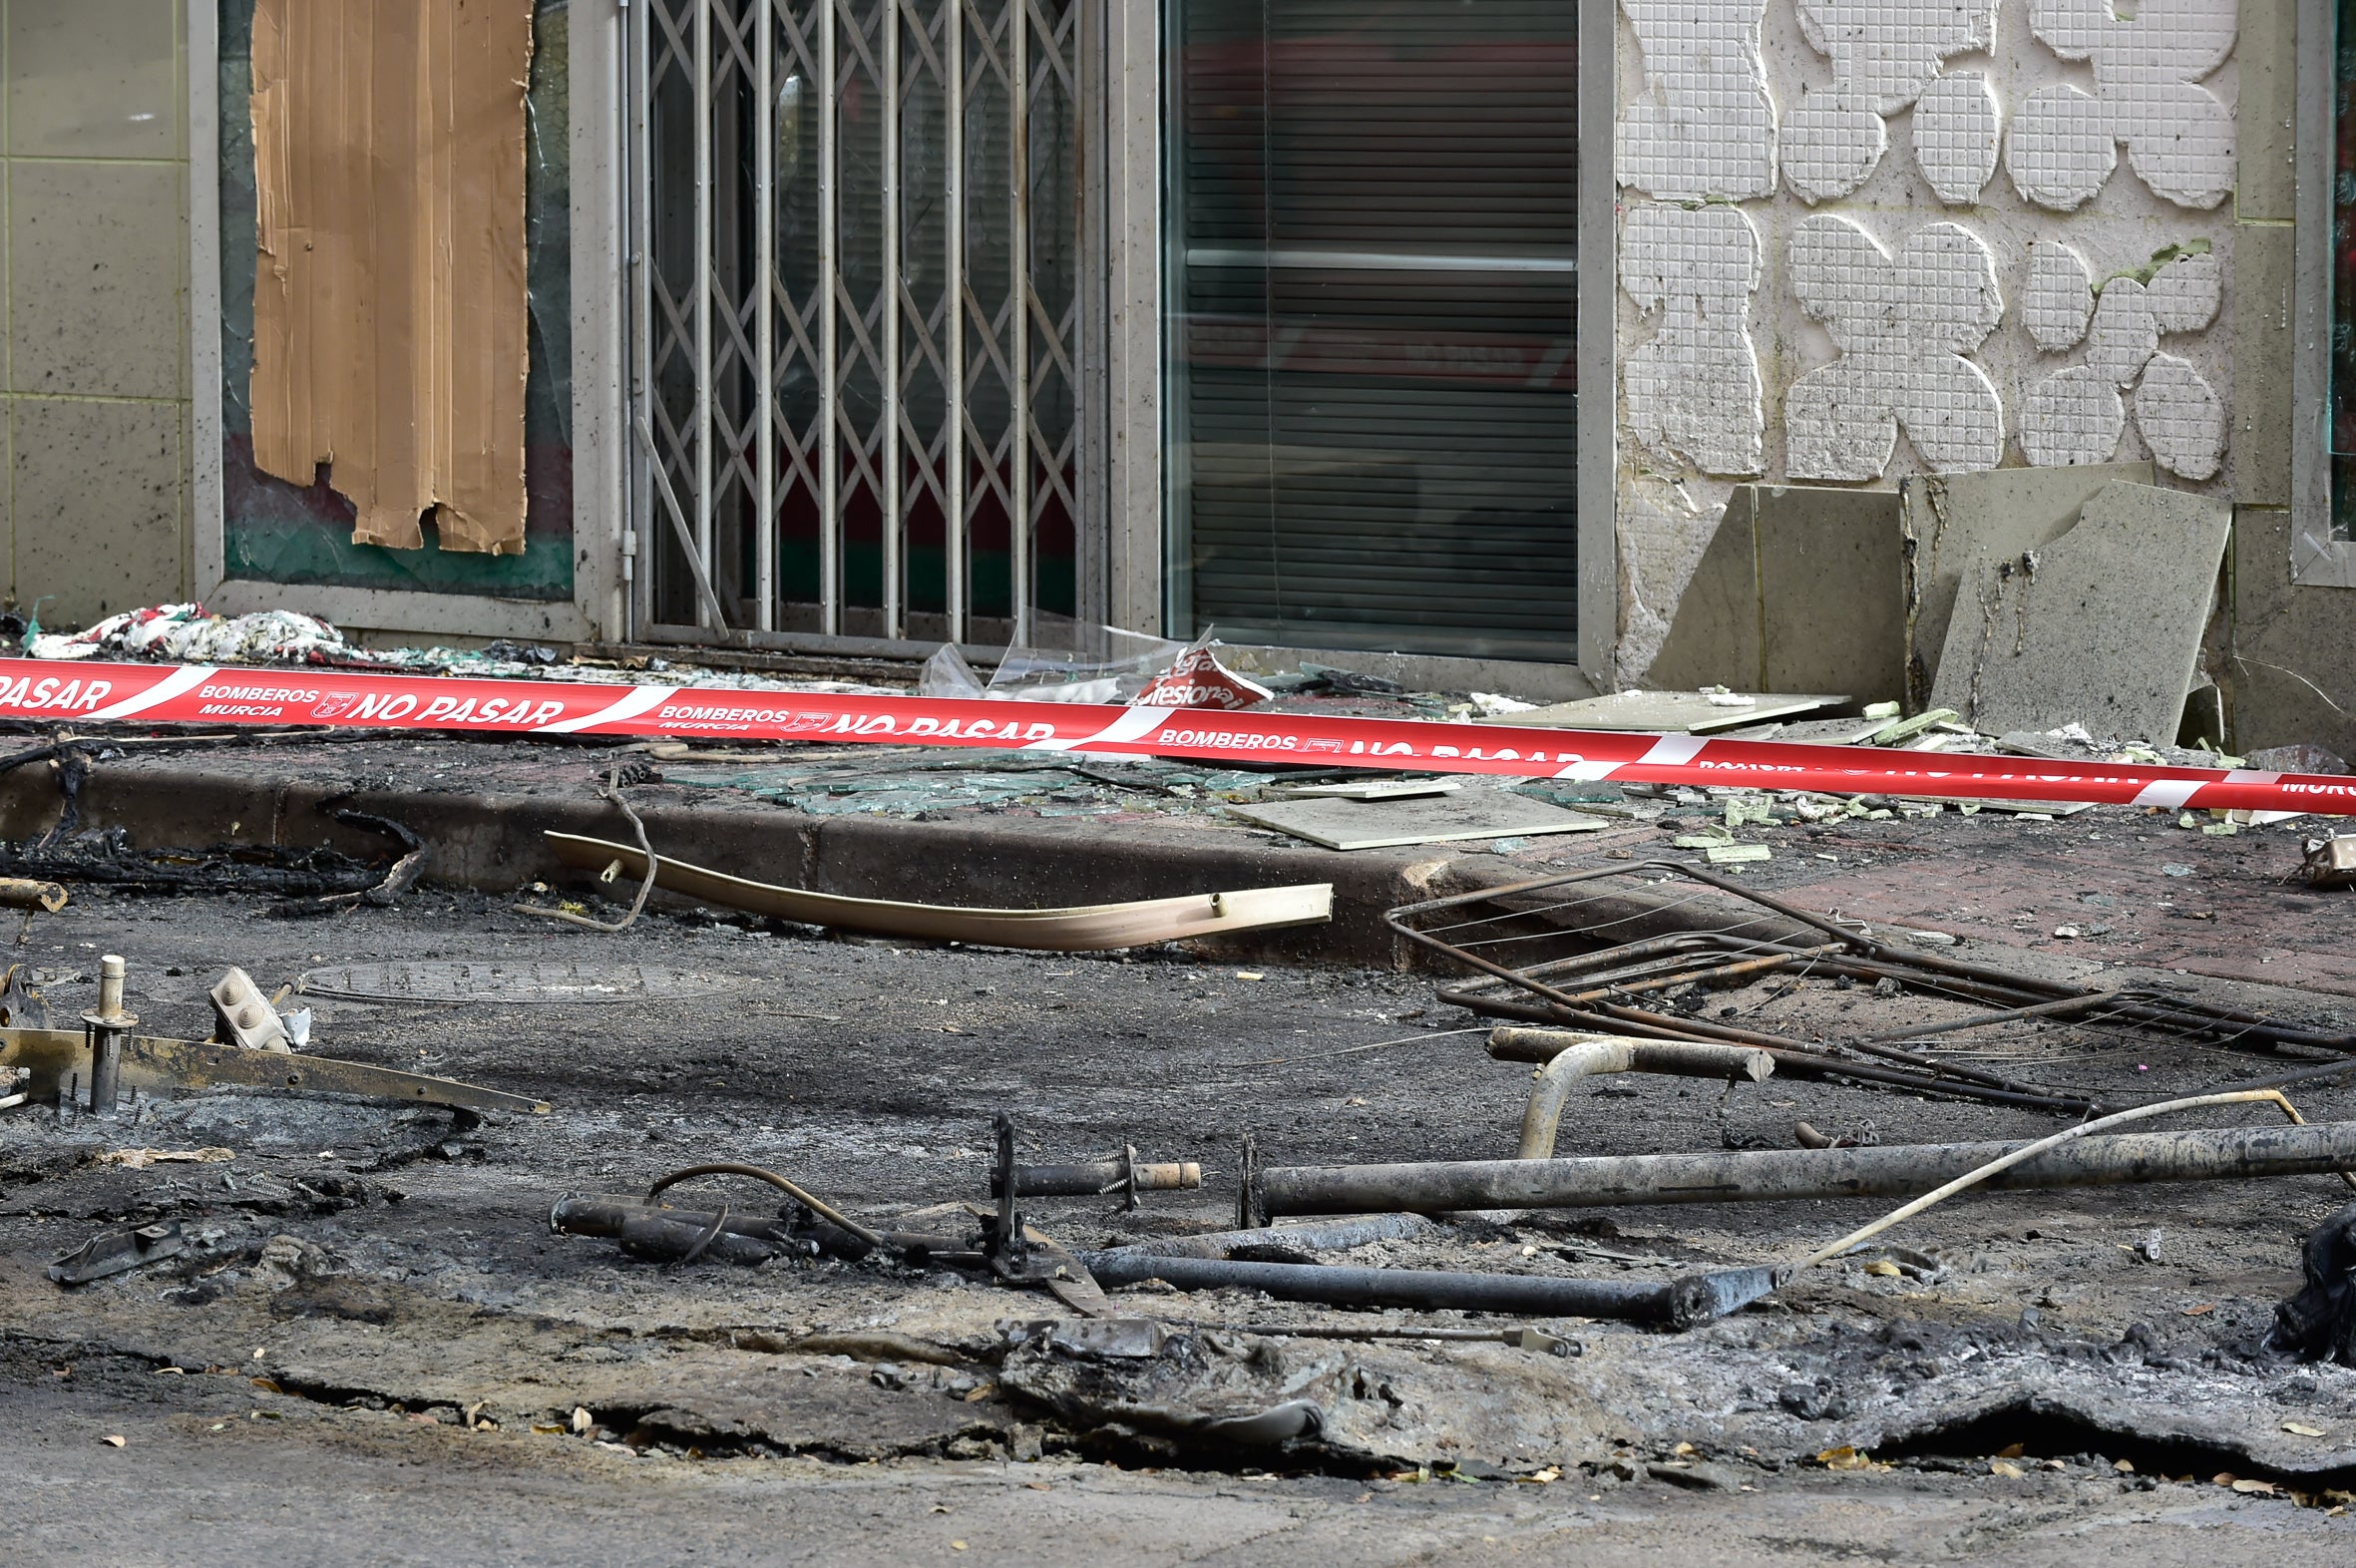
x: 390, y: 305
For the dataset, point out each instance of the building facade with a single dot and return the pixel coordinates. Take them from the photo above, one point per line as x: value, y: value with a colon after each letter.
x: 858, y: 326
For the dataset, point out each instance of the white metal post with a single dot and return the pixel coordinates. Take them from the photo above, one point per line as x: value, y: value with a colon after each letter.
x: 1018, y: 267
x: 953, y: 530
x: 888, y: 370
x: 830, y: 522
x: 764, y: 326
x: 705, y: 282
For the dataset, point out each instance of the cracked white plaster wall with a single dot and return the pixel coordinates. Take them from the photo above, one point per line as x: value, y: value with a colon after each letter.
x: 2079, y: 414
x: 1884, y: 54
x: 1902, y: 324
x: 1958, y: 127
x: 1946, y: 160
x: 2148, y: 67
x: 1693, y: 390
x: 1703, y: 127
x: 1664, y: 527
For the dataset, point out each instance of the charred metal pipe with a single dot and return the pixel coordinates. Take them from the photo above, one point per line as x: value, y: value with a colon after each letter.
x: 1321, y: 1236
x: 747, y: 1236
x: 1886, y: 1171
x: 679, y: 1235
x: 1569, y: 1056
x: 1102, y: 1178
x: 1674, y: 1304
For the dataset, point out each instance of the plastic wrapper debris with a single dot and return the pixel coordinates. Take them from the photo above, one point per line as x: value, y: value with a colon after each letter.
x: 186, y: 631
x: 1101, y: 664
x: 1070, y: 661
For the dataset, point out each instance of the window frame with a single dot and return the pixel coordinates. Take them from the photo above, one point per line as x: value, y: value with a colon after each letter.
x: 2317, y: 558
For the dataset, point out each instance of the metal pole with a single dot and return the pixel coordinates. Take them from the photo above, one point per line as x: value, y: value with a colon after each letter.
x: 1018, y: 267
x: 830, y: 522
x: 704, y: 283
x: 889, y: 90
x: 1104, y: 1178
x: 764, y: 326
x: 1893, y: 1170
x: 1676, y: 1302
x: 639, y: 193
x: 954, y: 266
x: 103, y: 1031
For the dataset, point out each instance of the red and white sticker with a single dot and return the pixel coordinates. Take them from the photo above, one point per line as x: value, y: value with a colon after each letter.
x: 91, y: 693
x: 1196, y: 679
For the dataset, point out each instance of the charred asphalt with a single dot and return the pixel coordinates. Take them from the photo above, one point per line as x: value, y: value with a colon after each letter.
x: 375, y: 1343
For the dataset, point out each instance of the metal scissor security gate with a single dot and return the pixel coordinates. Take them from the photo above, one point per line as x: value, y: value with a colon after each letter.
x: 857, y: 304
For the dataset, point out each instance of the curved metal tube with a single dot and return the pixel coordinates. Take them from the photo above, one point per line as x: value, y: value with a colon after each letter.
x: 817, y: 1205
x: 1569, y: 1058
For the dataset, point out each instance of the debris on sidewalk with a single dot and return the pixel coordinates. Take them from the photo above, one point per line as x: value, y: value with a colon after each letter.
x: 110, y: 1253
x: 1082, y: 928
x: 243, y: 1017
x: 1693, y: 945
x: 2331, y: 860
x: 1685, y: 712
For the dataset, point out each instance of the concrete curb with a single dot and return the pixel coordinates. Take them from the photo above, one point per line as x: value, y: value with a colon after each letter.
x: 490, y: 839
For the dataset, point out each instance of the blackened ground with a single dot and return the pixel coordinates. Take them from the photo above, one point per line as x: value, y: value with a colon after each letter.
x: 375, y: 1324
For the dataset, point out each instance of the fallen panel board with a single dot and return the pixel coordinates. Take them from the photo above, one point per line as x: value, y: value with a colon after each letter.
x: 1091, y: 928
x: 1954, y: 521
x: 449, y: 981
x: 1657, y: 712
x: 2100, y: 628
x: 1801, y: 587
x: 1462, y: 817
x: 1382, y: 789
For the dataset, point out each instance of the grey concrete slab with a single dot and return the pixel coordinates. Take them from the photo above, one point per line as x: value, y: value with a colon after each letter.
x: 1687, y: 712
x: 1951, y: 521
x: 2259, y: 453
x: 1802, y: 588
x: 2100, y: 626
x: 1715, y: 633
x: 1832, y: 594
x: 2265, y: 59
x: 1462, y: 816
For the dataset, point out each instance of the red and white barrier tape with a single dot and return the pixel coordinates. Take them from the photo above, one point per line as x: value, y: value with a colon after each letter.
x: 90, y: 693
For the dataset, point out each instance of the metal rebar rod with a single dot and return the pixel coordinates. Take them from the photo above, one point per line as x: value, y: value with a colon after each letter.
x: 765, y: 319
x: 1791, y: 1056
x: 830, y: 522
x: 1674, y: 1303
x: 1887, y: 1171
x: 700, y: 548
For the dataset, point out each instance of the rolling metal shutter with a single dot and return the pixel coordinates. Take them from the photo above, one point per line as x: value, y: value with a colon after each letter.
x: 1374, y: 293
